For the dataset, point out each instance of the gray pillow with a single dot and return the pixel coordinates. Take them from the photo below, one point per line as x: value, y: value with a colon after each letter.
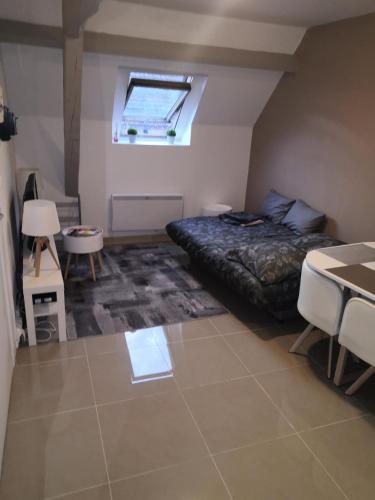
x: 276, y: 206
x: 303, y: 219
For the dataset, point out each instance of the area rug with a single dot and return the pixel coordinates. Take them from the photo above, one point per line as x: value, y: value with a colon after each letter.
x: 140, y: 286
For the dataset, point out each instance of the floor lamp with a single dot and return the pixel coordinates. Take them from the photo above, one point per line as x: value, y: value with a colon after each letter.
x: 40, y: 220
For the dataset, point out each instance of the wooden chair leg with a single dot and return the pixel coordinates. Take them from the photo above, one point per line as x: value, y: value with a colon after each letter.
x: 302, y: 338
x: 67, y: 266
x: 100, y: 260
x: 360, y: 381
x: 92, y: 267
x: 340, y: 365
x: 330, y: 353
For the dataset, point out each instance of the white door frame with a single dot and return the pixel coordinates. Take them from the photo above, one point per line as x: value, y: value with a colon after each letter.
x: 7, y: 331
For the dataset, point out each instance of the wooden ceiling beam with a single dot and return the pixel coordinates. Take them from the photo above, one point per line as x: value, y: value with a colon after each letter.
x: 102, y: 43
x: 74, y: 14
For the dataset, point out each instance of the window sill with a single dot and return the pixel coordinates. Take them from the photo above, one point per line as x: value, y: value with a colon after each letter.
x: 149, y: 142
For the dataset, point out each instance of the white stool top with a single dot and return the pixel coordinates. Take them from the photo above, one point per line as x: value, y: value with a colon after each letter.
x: 216, y: 209
x: 83, y: 239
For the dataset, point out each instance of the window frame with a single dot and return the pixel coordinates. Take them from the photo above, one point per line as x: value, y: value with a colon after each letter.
x: 160, y: 84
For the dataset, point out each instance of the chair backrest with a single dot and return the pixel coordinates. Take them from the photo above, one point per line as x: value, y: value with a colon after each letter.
x: 357, y: 332
x: 320, y: 300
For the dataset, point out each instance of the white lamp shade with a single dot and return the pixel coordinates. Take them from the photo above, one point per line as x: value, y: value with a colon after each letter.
x: 40, y: 218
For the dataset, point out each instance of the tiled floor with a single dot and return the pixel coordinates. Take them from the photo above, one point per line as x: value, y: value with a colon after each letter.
x: 212, y: 409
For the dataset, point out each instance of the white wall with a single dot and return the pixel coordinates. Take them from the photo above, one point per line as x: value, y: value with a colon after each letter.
x: 213, y: 169
x: 7, y: 269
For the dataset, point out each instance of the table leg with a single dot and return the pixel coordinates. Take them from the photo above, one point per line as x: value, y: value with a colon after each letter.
x: 61, y: 320
x: 100, y: 259
x: 92, y: 267
x: 67, y: 266
x: 29, y: 309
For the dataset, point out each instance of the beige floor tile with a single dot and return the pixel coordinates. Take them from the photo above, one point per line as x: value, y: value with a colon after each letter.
x: 198, y: 480
x: 98, y: 493
x: 49, y: 388
x: 50, y: 352
x: 104, y: 344
x: 51, y: 456
x: 118, y: 376
x: 144, y: 434
x: 190, y: 330
x: 347, y: 451
x: 204, y: 361
x: 227, y: 323
x: 234, y: 414
x: 262, y: 351
x: 307, y: 398
x: 279, y: 470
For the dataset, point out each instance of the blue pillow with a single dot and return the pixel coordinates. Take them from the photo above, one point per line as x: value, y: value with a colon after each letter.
x: 276, y: 206
x: 302, y: 219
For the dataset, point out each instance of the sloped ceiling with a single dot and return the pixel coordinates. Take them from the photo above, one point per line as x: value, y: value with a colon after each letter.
x: 292, y: 12
x: 233, y: 96
x: 303, y: 13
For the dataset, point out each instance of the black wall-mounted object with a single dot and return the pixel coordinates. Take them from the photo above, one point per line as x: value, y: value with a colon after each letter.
x: 8, y: 127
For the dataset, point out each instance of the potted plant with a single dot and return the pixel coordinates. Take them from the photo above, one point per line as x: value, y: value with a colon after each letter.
x: 171, y: 135
x: 132, y: 133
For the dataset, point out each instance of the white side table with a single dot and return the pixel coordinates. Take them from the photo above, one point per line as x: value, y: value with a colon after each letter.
x: 49, y: 281
x: 216, y: 209
x: 83, y: 240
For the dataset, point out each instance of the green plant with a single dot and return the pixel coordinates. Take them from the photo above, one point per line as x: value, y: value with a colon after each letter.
x: 132, y: 131
x: 171, y: 133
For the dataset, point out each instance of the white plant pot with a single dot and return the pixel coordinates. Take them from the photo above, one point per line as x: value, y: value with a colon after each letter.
x: 171, y: 139
x: 132, y: 139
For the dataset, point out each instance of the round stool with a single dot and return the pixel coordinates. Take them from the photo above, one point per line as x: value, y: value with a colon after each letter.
x: 83, y: 240
x: 216, y: 209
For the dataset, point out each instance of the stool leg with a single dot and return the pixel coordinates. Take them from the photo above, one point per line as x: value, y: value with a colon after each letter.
x: 91, y: 262
x: 67, y: 266
x: 100, y: 259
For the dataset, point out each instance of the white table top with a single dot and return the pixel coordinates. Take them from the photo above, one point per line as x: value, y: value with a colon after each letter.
x: 50, y: 277
x: 326, y: 261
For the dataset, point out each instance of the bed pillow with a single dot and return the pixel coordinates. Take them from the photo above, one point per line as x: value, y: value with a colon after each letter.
x: 276, y: 206
x: 269, y: 262
x: 303, y: 219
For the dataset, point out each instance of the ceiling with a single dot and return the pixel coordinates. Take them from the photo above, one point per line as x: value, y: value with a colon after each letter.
x: 290, y: 12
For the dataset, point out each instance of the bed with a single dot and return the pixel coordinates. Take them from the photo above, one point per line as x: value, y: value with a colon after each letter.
x: 262, y: 263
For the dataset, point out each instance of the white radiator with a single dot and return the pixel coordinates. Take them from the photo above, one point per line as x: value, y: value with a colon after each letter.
x: 145, y: 212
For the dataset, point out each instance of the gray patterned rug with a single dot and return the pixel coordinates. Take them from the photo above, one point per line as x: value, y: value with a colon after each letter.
x: 141, y: 286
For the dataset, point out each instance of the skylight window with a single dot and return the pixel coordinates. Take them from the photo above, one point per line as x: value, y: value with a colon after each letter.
x: 158, y: 107
x: 153, y: 103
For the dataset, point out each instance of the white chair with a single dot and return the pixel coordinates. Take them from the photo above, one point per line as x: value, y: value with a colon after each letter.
x: 320, y: 302
x: 357, y: 335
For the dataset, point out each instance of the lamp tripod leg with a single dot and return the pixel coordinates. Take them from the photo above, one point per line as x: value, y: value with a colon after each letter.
x: 47, y: 243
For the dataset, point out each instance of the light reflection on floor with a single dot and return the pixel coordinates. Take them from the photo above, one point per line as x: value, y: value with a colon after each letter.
x: 157, y: 364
